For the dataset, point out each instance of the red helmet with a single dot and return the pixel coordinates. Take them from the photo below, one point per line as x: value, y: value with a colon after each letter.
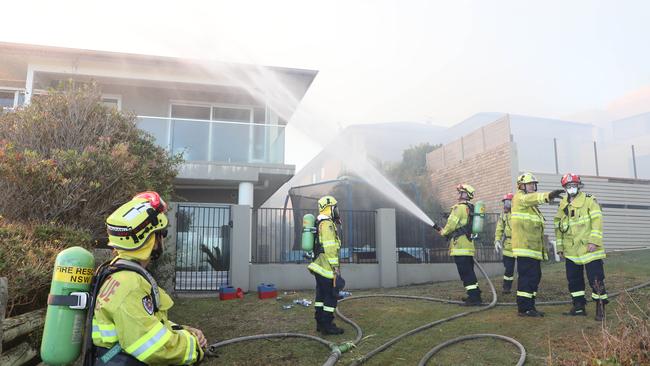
x: 507, y: 197
x: 571, y: 178
x: 154, y: 199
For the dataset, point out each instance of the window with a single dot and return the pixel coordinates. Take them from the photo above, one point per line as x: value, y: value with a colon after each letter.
x: 7, y: 98
x: 114, y: 101
x: 231, y: 114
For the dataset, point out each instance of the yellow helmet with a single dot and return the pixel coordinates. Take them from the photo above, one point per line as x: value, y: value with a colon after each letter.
x: 467, y: 189
x: 526, y: 178
x: 131, y: 225
x: 326, y: 202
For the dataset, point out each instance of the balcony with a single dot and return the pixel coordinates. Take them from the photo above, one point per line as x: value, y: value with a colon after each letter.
x: 217, y: 141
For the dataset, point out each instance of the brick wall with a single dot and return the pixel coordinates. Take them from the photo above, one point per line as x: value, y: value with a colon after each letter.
x: 489, y: 173
x: 481, y: 158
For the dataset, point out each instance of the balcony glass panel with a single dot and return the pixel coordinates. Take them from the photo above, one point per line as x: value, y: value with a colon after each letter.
x: 156, y: 127
x: 191, y: 138
x: 230, y: 142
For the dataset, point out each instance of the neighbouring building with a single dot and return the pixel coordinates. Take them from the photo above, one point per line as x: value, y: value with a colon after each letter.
x: 613, y: 160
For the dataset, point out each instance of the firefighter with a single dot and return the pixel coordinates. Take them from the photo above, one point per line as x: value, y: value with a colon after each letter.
x: 461, y: 247
x: 326, y: 267
x: 528, y: 240
x: 503, y: 243
x: 129, y: 320
x: 579, y: 236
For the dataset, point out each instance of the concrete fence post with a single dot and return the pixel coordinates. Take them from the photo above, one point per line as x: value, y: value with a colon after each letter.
x: 240, y: 246
x: 386, y: 236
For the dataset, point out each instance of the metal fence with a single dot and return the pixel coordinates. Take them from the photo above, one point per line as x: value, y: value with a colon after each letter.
x: 277, y: 236
x: 202, y: 247
x: 416, y: 242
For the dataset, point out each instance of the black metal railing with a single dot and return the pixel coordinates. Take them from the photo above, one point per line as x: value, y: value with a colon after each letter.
x: 417, y: 243
x: 202, y: 247
x: 277, y: 236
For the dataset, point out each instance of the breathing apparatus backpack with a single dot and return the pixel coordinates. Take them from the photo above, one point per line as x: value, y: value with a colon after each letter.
x: 310, y: 239
x: 71, y: 304
x: 475, y: 221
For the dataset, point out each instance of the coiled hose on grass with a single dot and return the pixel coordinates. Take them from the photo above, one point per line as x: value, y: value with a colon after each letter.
x: 337, y: 350
x: 331, y: 360
x: 421, y: 328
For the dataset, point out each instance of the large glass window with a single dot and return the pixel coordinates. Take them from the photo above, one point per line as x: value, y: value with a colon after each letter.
x: 231, y: 142
x: 191, y: 137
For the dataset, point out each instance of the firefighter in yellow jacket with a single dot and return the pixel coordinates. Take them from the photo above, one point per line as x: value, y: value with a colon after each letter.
x: 528, y: 240
x: 130, y: 324
x: 503, y: 243
x: 461, y: 247
x: 325, y: 266
x: 579, y: 236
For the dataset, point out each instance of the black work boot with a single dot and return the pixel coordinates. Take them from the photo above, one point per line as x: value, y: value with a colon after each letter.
x: 474, y: 299
x: 331, y: 329
x: 532, y: 313
x: 576, y: 310
x: 600, y: 311
x: 507, y: 287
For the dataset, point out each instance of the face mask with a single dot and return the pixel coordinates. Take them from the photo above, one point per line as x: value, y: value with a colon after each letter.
x: 336, y: 217
x: 572, y: 191
x: 507, y: 205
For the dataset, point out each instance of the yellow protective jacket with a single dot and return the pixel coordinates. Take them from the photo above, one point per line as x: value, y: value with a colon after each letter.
x: 577, y: 224
x: 527, y: 224
x: 124, y: 313
x: 326, y: 261
x: 504, y: 233
x: 459, y: 245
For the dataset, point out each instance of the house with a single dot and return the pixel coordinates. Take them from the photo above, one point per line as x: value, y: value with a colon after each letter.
x: 220, y: 115
x: 613, y: 161
x: 227, y: 119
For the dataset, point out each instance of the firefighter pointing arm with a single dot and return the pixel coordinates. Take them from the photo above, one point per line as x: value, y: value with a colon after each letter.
x: 527, y: 240
x: 130, y: 325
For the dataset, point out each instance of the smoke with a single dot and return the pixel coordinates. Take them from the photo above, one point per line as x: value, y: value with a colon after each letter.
x: 268, y: 85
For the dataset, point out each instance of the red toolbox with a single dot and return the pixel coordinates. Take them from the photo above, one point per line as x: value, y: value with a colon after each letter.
x: 230, y: 293
x: 267, y: 291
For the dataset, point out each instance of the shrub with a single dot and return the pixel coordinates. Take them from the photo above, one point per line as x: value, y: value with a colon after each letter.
x: 623, y: 340
x: 68, y: 159
x: 27, y: 254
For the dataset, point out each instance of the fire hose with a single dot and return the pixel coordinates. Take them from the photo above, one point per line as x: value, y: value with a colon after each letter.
x: 336, y: 350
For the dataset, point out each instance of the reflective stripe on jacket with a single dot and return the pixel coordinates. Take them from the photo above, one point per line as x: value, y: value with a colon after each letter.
x: 504, y: 233
x: 527, y: 224
x: 577, y: 224
x: 458, y: 218
x: 326, y: 261
x: 124, y: 313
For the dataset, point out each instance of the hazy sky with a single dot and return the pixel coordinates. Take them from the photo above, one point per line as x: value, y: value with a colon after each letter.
x: 382, y: 61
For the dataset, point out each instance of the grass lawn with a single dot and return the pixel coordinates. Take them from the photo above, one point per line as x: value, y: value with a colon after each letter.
x: 554, y: 339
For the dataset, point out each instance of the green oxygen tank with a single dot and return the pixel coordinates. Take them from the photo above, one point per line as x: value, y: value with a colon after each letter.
x: 65, y: 317
x: 308, y: 231
x: 479, y: 217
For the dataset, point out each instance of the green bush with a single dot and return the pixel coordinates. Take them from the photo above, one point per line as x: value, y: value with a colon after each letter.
x: 68, y: 159
x: 27, y: 254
